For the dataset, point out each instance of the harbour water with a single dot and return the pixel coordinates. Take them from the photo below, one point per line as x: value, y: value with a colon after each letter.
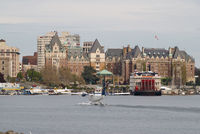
x: 119, y: 115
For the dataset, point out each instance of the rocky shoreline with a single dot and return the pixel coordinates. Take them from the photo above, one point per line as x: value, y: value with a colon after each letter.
x: 10, y: 132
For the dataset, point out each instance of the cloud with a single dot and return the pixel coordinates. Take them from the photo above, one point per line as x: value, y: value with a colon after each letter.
x: 176, y: 19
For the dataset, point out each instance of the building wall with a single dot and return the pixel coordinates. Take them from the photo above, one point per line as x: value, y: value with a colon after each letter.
x: 41, y: 42
x: 9, y: 60
x: 27, y: 67
x: 55, y: 58
x: 66, y: 39
x: 29, y: 62
x: 77, y: 66
x: 114, y: 65
x: 97, y: 60
x: 87, y: 46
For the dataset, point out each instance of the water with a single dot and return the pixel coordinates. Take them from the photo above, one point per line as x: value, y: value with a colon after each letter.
x: 119, y: 115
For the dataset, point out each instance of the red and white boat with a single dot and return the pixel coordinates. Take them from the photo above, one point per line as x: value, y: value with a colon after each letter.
x: 145, y: 83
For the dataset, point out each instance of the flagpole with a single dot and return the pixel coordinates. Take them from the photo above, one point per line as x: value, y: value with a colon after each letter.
x: 156, y: 40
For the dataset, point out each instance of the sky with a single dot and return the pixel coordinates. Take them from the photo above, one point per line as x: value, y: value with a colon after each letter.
x: 115, y: 23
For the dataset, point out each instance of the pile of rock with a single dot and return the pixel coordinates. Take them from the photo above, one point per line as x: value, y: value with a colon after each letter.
x: 10, y: 132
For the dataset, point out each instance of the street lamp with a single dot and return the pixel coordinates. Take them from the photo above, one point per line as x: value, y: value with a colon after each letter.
x: 195, y: 83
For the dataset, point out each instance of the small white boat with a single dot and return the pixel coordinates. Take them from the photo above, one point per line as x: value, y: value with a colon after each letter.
x: 127, y: 93
x: 62, y: 91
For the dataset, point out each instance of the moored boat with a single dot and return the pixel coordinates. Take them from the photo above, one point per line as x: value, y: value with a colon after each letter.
x: 145, y: 83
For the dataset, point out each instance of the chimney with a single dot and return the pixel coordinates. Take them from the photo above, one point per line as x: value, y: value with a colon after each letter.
x: 128, y: 48
x: 124, y: 51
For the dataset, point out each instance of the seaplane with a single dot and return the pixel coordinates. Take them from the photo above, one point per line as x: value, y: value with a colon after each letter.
x: 99, y: 93
x: 97, y: 97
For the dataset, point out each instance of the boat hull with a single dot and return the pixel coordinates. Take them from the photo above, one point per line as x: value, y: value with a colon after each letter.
x: 147, y: 93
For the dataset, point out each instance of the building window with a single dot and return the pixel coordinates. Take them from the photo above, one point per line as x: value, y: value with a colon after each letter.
x: 2, y: 62
x: 2, y: 68
x: 135, y: 67
x: 97, y: 56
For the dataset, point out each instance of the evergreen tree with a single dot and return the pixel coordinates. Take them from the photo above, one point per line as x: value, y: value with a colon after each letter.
x: 2, y: 80
x: 20, y: 76
x: 89, y: 75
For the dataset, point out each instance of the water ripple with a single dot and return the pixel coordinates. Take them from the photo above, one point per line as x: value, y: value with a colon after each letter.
x: 165, y: 108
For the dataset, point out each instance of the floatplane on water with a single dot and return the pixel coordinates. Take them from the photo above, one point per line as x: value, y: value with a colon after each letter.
x: 97, y: 97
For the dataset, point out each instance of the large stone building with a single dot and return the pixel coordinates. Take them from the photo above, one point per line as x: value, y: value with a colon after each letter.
x: 9, y: 60
x: 97, y: 56
x: 77, y: 59
x: 114, y: 61
x: 87, y: 46
x: 69, y: 40
x: 171, y: 63
x: 66, y: 39
x: 42, y: 41
x: 58, y: 53
x: 29, y: 62
x: 55, y: 53
x: 65, y: 51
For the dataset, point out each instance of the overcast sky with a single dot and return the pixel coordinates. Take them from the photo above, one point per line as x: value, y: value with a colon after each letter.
x: 115, y: 23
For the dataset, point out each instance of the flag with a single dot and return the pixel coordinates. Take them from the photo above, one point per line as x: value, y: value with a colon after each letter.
x: 156, y: 37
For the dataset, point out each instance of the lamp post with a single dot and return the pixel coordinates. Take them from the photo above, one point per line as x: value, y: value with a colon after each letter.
x: 195, y: 83
x: 104, y: 73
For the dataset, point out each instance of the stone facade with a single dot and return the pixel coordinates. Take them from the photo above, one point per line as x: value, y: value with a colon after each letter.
x: 77, y: 59
x: 58, y: 54
x: 171, y: 63
x: 29, y: 62
x: 114, y: 61
x: 97, y: 56
x: 55, y: 53
x: 66, y: 39
x: 41, y: 43
x: 87, y: 46
x: 9, y: 60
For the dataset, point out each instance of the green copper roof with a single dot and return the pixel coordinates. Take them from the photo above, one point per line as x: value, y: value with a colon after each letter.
x: 104, y: 73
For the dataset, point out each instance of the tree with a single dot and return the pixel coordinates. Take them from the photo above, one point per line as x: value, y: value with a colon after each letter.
x: 183, y: 74
x: 2, y: 80
x: 144, y: 66
x: 197, y: 73
x: 50, y: 76
x: 54, y: 77
x: 89, y: 75
x: 20, y: 76
x: 166, y: 81
x: 32, y: 75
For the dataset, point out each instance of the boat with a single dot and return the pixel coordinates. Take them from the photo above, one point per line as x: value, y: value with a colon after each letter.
x: 36, y: 91
x: 10, y: 88
x: 62, y: 91
x: 118, y: 94
x: 82, y: 93
x: 145, y: 83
